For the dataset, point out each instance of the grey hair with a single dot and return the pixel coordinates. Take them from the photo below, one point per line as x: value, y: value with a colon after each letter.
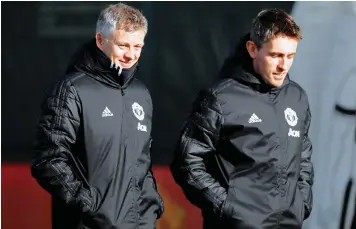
x: 120, y: 16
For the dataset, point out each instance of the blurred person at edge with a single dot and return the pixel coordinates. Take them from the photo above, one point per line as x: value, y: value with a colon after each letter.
x: 244, y: 156
x: 92, y: 148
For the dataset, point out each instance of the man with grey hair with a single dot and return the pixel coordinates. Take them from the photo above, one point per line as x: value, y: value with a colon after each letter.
x: 93, y: 141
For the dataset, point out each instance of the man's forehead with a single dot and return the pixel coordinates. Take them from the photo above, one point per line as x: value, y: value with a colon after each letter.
x: 135, y: 36
x: 281, y: 44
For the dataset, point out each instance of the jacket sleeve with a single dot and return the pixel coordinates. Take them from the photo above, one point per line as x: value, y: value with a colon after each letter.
x: 52, y: 164
x: 152, y: 180
x: 306, y: 176
x: 196, y: 145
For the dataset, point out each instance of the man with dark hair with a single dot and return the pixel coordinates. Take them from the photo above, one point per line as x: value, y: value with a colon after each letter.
x: 93, y: 138
x: 244, y: 156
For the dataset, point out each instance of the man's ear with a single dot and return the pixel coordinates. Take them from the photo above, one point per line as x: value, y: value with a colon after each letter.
x: 99, y: 41
x: 251, y: 49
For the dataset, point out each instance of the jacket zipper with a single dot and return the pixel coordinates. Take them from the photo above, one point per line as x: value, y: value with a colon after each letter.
x: 134, y: 182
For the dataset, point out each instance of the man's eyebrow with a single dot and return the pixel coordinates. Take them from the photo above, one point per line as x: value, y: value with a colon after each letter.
x: 125, y: 43
x: 282, y: 54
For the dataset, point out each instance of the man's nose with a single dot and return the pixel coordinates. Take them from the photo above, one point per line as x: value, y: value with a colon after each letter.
x: 130, y: 54
x: 283, y: 64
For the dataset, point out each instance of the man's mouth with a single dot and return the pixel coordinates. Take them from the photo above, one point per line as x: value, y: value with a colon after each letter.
x: 123, y: 64
x: 279, y: 75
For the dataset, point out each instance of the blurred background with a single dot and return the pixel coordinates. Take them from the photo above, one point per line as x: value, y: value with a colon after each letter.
x: 186, y: 45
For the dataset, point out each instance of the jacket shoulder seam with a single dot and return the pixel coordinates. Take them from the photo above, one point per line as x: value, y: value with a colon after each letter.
x: 298, y: 86
x: 222, y: 86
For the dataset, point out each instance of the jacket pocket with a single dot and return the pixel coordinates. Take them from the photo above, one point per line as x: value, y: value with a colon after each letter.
x: 299, y: 202
x: 95, y: 198
x: 226, y: 210
x: 302, y: 217
x: 150, y: 200
x: 97, y: 217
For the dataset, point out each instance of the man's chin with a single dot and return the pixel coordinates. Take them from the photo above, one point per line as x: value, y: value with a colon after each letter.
x: 276, y: 83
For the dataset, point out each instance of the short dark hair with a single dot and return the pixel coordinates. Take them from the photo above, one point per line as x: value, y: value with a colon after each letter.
x: 270, y: 23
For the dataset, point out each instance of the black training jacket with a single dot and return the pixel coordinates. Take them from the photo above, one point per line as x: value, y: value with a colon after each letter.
x: 92, y: 147
x: 244, y: 156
